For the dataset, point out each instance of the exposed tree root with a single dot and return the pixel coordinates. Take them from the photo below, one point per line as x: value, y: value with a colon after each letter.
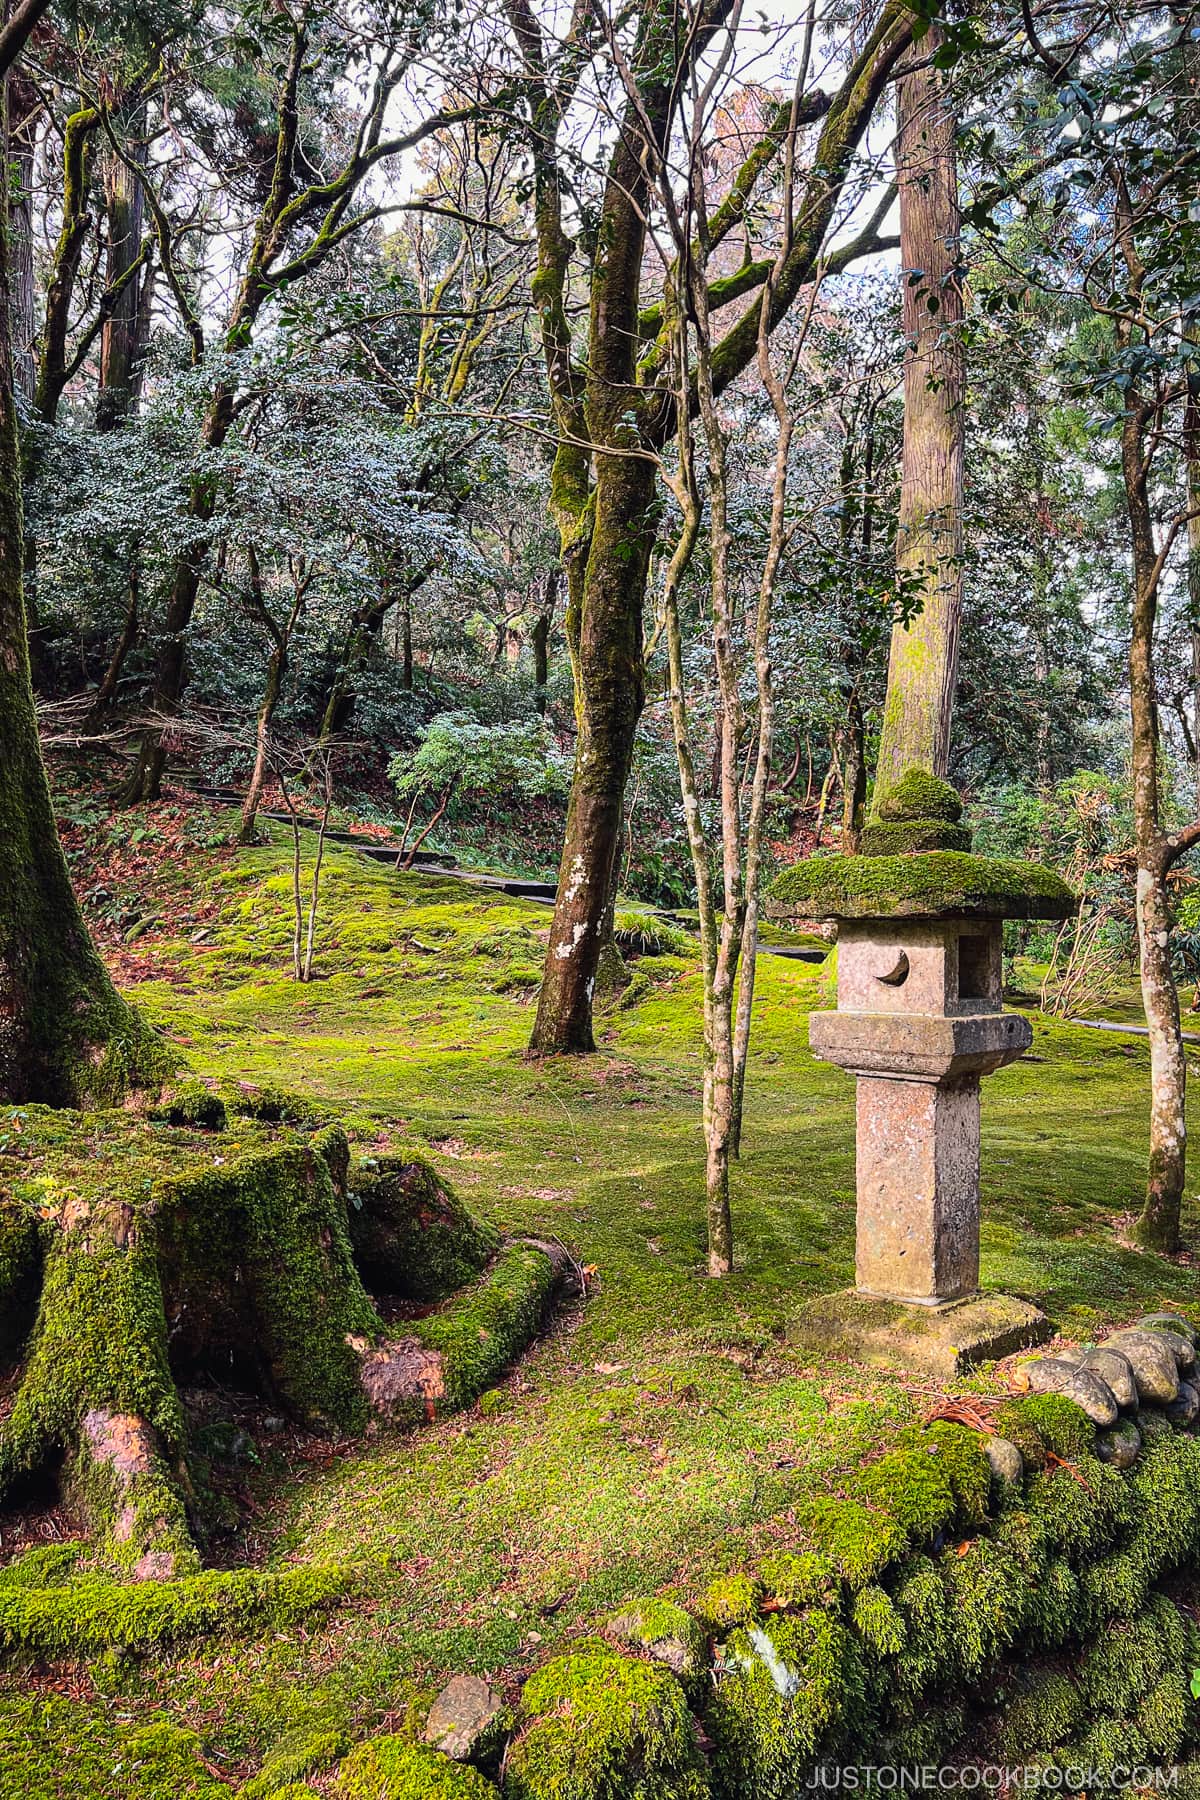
x: 134, y: 1254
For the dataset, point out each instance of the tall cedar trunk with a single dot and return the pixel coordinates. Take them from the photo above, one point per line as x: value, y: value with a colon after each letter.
x: 66, y: 1037
x: 121, y: 335
x: 924, y: 655
x: 1158, y: 1226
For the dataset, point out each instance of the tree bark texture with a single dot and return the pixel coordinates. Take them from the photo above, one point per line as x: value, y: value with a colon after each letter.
x: 614, y: 416
x: 66, y: 1036
x: 1158, y: 1225
x: 923, y: 663
x: 24, y: 108
x: 122, y: 333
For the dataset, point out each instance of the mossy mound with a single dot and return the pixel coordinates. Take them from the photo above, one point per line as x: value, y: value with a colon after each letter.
x: 308, y: 1749
x: 139, y: 1253
x: 89, y: 1615
x: 394, y: 1768
x: 911, y: 837
x: 597, y: 1724
x: 918, y: 794
x: 410, y: 1234
x: 929, y: 886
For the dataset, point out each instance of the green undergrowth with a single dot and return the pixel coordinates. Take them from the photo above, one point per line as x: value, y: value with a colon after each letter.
x: 664, y: 1434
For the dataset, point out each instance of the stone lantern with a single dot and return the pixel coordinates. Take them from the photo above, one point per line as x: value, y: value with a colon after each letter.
x: 919, y: 1021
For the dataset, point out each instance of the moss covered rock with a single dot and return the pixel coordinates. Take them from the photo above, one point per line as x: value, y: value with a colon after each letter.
x: 665, y: 1632
x: 394, y: 1768
x: 787, y: 1690
x: 858, y: 1540
x: 599, y: 1726
x: 729, y: 1600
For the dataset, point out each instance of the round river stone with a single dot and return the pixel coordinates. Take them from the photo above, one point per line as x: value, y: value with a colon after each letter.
x: 1054, y: 1375
x: 1113, y: 1369
x: 1006, y: 1462
x: 1154, y: 1367
x: 1121, y: 1445
x: 1181, y: 1348
x: 1046, y: 1374
x: 1093, y: 1394
x: 1185, y: 1408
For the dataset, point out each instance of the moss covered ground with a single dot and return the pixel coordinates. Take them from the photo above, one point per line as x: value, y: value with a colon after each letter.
x: 662, y: 1431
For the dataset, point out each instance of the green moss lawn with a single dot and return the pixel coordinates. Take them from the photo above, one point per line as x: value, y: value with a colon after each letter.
x: 662, y: 1427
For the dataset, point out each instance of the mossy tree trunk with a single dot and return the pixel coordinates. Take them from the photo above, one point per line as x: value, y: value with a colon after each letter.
x: 923, y: 664
x: 66, y: 1036
x: 615, y: 410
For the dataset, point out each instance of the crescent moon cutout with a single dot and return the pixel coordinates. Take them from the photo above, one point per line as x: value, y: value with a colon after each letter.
x: 898, y: 975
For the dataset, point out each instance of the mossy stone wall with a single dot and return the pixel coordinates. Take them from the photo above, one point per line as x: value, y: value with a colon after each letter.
x: 932, y: 1608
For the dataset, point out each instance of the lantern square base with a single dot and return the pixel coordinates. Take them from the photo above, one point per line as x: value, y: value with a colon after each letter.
x: 943, y: 1341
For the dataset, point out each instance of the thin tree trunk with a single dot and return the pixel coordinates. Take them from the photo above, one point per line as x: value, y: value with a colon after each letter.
x: 314, y: 898
x: 540, y: 638
x: 406, y: 644
x: 854, y: 777
x: 272, y: 689
x: 1158, y: 1224
x: 440, y: 809
x: 277, y: 666
x: 107, y: 689
x: 1191, y: 447
x: 924, y: 654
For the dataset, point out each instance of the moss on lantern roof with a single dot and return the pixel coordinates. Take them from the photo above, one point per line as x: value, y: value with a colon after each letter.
x: 919, y: 795
x: 930, y: 886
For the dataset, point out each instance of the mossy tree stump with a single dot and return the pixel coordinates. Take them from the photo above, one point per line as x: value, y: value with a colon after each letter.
x: 138, y: 1254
